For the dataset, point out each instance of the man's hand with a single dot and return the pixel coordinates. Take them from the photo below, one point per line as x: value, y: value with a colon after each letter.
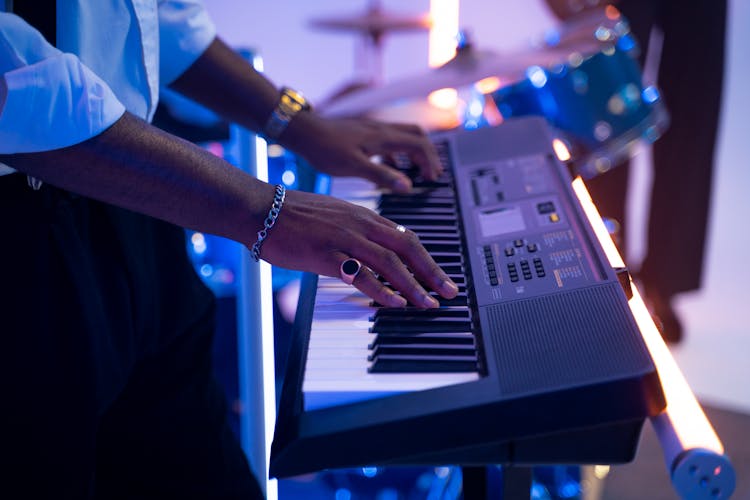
x: 224, y: 82
x: 345, y: 147
x: 317, y: 233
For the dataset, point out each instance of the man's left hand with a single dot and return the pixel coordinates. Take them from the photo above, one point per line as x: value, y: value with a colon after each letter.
x: 345, y: 147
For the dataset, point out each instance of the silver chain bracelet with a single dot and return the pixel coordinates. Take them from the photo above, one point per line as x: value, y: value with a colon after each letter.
x: 273, y: 214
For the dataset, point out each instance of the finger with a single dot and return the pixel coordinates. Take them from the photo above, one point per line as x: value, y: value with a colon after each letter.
x: 384, y: 175
x: 419, y: 148
x: 370, y: 285
x: 366, y: 282
x: 406, y: 244
x: 428, y: 161
x: 388, y: 264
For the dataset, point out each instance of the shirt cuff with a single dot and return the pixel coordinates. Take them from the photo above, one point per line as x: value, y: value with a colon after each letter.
x: 5, y: 169
x: 55, y: 103
x: 185, y: 32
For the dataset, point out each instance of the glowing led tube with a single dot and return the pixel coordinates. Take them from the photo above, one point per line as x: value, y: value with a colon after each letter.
x: 693, y: 453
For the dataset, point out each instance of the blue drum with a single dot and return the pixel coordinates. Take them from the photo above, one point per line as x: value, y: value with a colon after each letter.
x: 597, y: 101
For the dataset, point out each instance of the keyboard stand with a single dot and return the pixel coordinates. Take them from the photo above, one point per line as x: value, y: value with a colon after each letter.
x: 516, y: 483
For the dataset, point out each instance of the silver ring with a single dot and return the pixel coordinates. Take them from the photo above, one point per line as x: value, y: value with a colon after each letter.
x: 400, y: 228
x: 349, y: 270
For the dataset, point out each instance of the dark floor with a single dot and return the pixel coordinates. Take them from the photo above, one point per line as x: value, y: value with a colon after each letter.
x: 646, y: 478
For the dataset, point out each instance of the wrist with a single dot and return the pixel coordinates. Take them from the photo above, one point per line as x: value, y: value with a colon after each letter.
x: 269, y: 221
x: 307, y: 134
x: 291, y: 104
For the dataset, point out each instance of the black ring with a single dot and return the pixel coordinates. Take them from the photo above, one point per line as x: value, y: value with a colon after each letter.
x: 349, y: 270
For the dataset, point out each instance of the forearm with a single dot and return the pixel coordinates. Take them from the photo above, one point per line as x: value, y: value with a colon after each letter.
x: 139, y: 167
x: 226, y: 83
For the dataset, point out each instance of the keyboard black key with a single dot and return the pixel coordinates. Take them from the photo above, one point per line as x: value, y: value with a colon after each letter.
x: 437, y: 228
x: 397, y: 363
x: 461, y: 299
x: 438, y: 246
x: 422, y: 350
x: 424, y: 220
x: 416, y: 209
x: 413, y: 325
x: 442, y: 312
x: 448, y: 338
x: 426, y: 202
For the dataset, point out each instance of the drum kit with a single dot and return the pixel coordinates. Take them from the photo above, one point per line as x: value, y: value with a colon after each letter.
x: 584, y: 78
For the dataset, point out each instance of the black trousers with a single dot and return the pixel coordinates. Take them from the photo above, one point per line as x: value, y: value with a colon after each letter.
x: 105, y: 366
x: 690, y: 77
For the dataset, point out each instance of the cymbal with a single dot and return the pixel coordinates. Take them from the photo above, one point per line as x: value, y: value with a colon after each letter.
x: 418, y: 112
x: 374, y: 21
x: 469, y: 66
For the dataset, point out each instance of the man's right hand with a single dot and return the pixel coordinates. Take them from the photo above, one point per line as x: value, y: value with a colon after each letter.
x: 317, y: 233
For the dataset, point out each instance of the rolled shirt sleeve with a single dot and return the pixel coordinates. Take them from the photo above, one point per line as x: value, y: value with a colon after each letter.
x: 185, y: 32
x: 53, y: 100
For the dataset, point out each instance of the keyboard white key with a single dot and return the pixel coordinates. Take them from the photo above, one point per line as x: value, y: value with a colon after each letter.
x: 336, y: 370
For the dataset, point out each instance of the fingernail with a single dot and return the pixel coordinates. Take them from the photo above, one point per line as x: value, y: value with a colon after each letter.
x: 449, y: 288
x: 402, y: 184
x: 430, y: 302
x: 398, y: 301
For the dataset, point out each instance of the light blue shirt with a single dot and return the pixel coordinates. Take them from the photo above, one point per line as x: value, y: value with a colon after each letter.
x: 111, y: 56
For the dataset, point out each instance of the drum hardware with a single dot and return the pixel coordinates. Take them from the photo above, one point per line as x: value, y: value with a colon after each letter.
x: 373, y: 24
x: 581, y: 35
x: 584, y: 78
x: 467, y: 67
x: 598, y: 102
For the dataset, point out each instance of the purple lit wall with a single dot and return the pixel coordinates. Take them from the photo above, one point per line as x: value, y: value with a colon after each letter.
x: 318, y: 62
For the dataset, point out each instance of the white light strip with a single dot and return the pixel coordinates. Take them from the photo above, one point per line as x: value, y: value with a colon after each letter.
x: 443, y: 31
x: 255, y: 328
x: 561, y: 150
x: 592, y: 214
x: 267, y: 333
x: 691, y: 427
x: 693, y: 453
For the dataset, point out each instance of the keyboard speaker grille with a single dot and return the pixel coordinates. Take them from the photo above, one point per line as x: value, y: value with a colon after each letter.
x: 568, y: 338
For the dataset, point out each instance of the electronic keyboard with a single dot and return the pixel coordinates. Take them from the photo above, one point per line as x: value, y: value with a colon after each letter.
x: 537, y: 360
